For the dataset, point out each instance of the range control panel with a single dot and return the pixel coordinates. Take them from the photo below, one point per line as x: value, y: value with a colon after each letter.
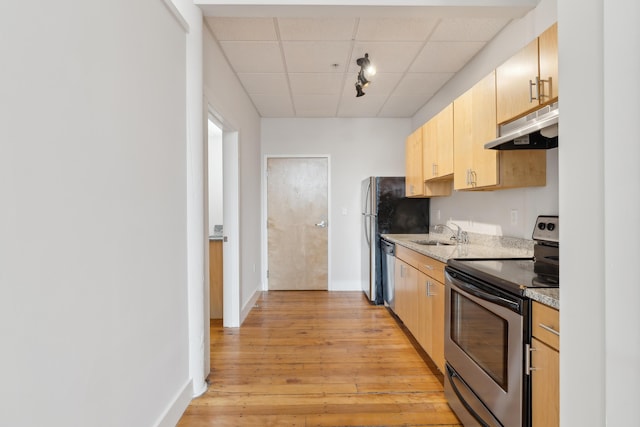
x: 546, y: 229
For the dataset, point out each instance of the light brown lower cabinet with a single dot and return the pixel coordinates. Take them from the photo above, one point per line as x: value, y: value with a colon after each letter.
x: 545, y: 365
x: 215, y: 279
x: 419, y: 300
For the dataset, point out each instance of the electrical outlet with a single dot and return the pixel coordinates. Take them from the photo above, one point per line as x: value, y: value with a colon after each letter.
x: 514, y: 217
x: 438, y: 215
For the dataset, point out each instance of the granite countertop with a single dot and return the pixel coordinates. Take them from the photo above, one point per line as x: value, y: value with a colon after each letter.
x: 480, y: 246
x: 216, y: 236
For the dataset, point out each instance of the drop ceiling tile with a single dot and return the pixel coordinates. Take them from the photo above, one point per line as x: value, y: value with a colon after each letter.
x: 247, y: 29
x: 387, y: 57
x: 364, y: 106
x: 445, y: 57
x: 273, y: 106
x: 264, y: 83
x: 254, y: 57
x: 382, y: 84
x: 316, y: 28
x: 402, y: 106
x: 316, y: 57
x: 316, y: 105
x: 316, y: 83
x: 395, y: 29
x: 421, y: 84
x: 468, y: 29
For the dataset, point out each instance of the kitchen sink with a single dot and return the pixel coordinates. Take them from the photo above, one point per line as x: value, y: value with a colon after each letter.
x: 433, y: 242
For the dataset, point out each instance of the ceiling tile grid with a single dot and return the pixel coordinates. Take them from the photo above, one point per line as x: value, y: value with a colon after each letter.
x: 306, y: 67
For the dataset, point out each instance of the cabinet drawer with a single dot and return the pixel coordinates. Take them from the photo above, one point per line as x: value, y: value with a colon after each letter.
x: 545, y: 324
x: 429, y: 266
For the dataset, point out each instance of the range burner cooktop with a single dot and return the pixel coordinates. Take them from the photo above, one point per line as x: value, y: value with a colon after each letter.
x: 515, y: 275
x: 511, y: 275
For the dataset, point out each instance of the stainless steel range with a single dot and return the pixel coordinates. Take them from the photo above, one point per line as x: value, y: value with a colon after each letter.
x: 487, y: 326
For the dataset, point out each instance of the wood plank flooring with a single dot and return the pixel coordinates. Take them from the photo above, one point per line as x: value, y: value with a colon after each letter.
x: 317, y: 358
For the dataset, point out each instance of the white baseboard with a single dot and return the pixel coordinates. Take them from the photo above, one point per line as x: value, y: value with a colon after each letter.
x: 172, y: 414
x: 249, y: 305
x: 345, y: 285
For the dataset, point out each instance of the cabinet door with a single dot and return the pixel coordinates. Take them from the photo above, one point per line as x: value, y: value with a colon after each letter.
x: 514, y: 93
x: 474, y: 125
x: 414, y: 182
x: 545, y: 385
x: 422, y: 334
x: 548, y: 45
x: 485, y: 163
x: 444, y: 142
x: 399, y: 288
x: 437, y: 140
x: 462, y: 140
x: 436, y: 291
x: 429, y: 149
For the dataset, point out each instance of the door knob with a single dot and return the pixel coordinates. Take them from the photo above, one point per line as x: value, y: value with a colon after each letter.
x: 322, y: 224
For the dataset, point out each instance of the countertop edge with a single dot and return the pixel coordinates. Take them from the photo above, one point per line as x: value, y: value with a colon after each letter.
x: 546, y: 296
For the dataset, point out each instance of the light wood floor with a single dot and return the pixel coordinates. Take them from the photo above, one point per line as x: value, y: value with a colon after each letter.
x: 315, y: 358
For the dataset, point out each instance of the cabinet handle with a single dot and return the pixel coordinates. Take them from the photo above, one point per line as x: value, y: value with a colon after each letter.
x: 549, y: 329
x: 428, y: 283
x: 474, y: 178
x: 428, y: 267
x: 537, y: 85
x: 527, y: 359
x: 468, y: 170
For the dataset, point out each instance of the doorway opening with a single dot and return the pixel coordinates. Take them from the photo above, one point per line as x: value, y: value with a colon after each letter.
x: 222, y: 218
x: 215, y: 218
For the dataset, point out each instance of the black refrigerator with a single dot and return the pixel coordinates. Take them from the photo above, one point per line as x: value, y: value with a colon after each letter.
x: 386, y: 210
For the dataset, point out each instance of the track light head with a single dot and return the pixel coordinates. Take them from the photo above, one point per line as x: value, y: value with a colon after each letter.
x: 362, y: 79
x: 366, y: 69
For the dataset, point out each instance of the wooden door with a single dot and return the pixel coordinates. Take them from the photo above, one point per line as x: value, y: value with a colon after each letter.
x: 297, y: 223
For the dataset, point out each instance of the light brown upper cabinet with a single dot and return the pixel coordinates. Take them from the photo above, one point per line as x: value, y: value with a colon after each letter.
x: 415, y: 185
x: 437, y: 141
x: 529, y: 78
x: 474, y: 124
x: 414, y: 182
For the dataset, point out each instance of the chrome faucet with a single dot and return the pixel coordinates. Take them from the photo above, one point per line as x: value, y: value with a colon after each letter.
x: 459, y: 236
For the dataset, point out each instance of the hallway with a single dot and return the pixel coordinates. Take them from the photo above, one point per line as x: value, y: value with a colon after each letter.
x: 315, y: 358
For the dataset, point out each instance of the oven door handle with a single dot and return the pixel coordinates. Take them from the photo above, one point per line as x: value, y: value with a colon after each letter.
x: 469, y: 400
x: 484, y: 295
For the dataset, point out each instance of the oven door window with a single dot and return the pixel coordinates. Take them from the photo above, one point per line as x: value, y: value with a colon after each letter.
x: 482, y: 335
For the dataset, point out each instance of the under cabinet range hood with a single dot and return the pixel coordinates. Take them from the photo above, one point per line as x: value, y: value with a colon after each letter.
x: 535, y: 131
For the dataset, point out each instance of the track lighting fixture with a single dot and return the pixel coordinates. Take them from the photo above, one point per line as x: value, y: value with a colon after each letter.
x: 366, y: 71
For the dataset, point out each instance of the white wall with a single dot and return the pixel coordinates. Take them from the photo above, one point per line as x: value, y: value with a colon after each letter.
x: 490, y: 212
x: 215, y: 176
x: 599, y: 49
x: 93, y: 293
x: 226, y: 96
x: 358, y: 148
